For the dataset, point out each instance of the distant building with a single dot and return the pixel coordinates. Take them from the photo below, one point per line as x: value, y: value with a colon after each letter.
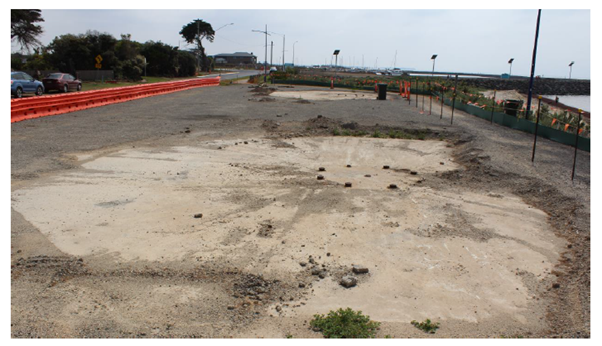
x: 238, y: 58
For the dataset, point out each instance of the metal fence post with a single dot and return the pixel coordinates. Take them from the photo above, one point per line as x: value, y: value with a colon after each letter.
x: 493, y: 106
x: 576, y: 144
x: 454, y: 100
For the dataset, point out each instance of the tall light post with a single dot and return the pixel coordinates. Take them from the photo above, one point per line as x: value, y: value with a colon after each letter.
x: 571, y: 68
x: 283, y: 45
x: 265, y: 62
x: 336, y: 58
x: 434, y: 57
x: 510, y: 63
x: 221, y: 27
x: 294, y: 52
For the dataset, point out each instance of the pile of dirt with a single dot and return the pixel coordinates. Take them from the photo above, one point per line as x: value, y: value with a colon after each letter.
x: 324, y: 126
x: 262, y: 90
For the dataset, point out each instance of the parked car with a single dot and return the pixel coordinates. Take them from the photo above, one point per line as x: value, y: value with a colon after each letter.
x: 61, y: 82
x: 21, y: 83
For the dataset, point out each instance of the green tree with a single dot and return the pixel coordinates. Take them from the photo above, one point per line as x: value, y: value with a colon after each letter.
x: 161, y: 59
x: 70, y: 53
x: 23, y: 28
x: 38, y: 60
x: 186, y: 64
x: 126, y: 49
x: 130, y: 69
x: 17, y: 61
x: 194, y: 33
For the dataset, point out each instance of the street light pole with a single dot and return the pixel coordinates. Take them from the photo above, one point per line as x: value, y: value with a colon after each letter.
x: 510, y: 63
x: 294, y: 52
x: 265, y: 62
x: 571, y: 68
x: 336, y: 55
x: 221, y: 27
x: 434, y: 57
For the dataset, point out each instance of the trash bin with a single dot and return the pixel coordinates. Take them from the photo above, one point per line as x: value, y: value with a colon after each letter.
x: 382, y: 91
x: 511, y: 107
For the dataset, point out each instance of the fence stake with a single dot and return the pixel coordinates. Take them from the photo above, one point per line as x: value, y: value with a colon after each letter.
x: 536, y: 127
x: 493, y: 106
x: 422, y: 97
x: 417, y: 93
x: 454, y: 100
x: 409, y: 93
x: 430, y: 99
x: 576, y: 143
x: 442, y: 98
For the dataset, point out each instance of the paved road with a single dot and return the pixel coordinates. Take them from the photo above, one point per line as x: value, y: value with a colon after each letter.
x: 234, y: 74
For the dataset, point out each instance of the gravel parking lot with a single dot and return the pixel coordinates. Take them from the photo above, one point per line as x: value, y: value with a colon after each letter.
x: 108, y: 240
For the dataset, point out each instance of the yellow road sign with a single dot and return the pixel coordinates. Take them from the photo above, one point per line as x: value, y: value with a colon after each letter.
x: 98, y: 59
x: 98, y: 65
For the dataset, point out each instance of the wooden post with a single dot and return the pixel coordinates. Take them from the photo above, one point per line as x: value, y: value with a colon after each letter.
x: 454, y: 100
x: 493, y: 107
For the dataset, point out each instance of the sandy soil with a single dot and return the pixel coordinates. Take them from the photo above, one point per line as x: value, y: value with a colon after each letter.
x: 264, y: 211
x: 105, y: 242
x: 325, y: 95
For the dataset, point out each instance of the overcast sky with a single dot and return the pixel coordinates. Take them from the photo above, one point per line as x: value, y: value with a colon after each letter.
x: 465, y: 40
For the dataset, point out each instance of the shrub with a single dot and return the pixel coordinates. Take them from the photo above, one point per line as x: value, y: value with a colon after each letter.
x: 427, y: 326
x: 345, y: 324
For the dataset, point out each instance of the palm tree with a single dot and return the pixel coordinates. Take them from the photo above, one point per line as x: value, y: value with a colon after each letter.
x: 195, y: 32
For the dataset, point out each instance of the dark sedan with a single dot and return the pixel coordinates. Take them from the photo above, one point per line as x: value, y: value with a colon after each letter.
x: 62, y: 82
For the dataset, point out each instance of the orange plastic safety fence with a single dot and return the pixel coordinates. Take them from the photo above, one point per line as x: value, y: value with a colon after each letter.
x: 35, y: 107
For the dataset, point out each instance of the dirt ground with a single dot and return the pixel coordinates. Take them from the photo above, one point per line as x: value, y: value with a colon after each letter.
x: 186, y: 216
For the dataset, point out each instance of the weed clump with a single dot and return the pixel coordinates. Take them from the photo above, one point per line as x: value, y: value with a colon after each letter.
x: 345, y: 324
x: 427, y: 326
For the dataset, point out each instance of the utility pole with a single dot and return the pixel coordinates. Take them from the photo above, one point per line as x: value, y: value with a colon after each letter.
x: 271, y: 53
x: 294, y: 52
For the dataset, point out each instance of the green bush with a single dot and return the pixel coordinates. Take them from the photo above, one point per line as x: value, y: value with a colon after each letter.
x: 427, y: 326
x: 345, y: 324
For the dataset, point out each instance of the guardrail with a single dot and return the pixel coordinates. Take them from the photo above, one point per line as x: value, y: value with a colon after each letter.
x: 35, y: 107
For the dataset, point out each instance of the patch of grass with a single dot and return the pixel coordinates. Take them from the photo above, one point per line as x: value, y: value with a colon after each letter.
x: 427, y: 326
x: 378, y: 134
x: 289, y: 336
x: 516, y: 336
x: 345, y: 324
x: 395, y: 134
